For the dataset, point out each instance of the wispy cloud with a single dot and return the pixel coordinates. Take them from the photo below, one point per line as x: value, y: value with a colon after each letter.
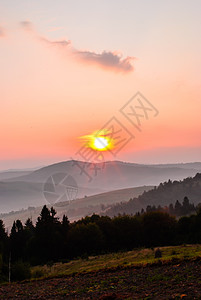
x: 62, y: 43
x: 110, y: 60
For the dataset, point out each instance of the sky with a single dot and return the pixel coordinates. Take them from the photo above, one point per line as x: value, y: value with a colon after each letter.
x: 69, y: 68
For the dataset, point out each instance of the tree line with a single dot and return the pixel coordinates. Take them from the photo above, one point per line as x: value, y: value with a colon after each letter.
x: 51, y: 239
x: 178, y: 209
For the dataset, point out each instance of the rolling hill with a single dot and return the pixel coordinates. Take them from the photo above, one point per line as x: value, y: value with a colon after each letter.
x: 19, y: 191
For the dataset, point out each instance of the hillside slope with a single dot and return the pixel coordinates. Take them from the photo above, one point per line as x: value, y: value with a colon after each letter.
x: 163, y: 195
x: 77, y: 208
x: 27, y: 190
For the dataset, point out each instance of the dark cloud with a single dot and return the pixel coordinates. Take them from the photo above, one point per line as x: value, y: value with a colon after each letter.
x: 109, y: 60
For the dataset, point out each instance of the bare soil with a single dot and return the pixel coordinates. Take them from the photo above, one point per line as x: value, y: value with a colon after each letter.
x: 175, y: 280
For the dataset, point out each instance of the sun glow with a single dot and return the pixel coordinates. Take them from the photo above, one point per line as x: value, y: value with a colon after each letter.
x: 99, y: 141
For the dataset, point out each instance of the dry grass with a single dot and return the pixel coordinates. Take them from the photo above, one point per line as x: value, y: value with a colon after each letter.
x: 121, y: 259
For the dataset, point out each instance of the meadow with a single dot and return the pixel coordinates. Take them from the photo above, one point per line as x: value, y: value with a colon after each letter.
x: 135, y: 258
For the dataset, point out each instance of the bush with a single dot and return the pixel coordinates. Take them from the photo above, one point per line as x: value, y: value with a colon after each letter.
x: 85, y: 256
x: 50, y: 264
x: 37, y: 273
x: 158, y: 253
x: 20, y: 271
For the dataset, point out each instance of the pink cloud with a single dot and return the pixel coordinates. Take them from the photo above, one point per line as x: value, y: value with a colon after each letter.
x: 62, y: 43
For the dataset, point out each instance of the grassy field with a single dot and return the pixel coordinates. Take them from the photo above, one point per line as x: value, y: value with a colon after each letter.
x: 135, y: 258
x: 125, y: 275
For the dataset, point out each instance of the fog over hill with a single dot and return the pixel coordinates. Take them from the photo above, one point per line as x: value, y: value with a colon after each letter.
x: 77, y: 208
x: 21, y: 189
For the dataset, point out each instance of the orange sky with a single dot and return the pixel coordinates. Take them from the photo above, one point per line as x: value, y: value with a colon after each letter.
x: 53, y: 91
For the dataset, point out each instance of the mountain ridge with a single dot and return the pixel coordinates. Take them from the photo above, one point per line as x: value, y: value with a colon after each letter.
x: 28, y: 190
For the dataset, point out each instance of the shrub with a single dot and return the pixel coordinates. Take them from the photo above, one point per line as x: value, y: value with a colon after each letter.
x: 37, y: 273
x: 20, y: 271
x: 50, y: 264
x: 158, y: 253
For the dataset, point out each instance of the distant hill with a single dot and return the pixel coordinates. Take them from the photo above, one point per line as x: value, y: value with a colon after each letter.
x: 13, y: 174
x: 193, y: 165
x: 114, y: 173
x: 78, y: 208
x: 19, y: 191
x: 166, y: 193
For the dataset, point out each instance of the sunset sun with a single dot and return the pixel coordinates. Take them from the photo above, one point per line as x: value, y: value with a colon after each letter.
x: 99, y: 140
x: 101, y: 143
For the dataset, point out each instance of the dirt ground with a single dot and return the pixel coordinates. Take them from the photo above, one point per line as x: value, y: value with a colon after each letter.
x: 170, y: 281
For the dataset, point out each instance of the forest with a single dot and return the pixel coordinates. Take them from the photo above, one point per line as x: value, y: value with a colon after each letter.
x: 53, y: 240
